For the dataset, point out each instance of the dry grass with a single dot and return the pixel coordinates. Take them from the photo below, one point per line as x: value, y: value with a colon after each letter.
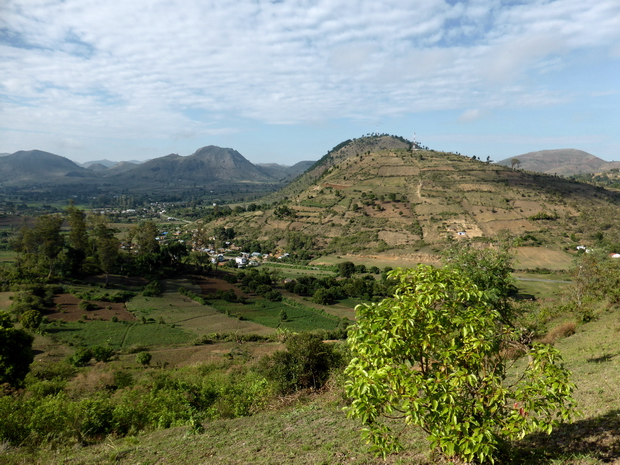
x: 559, y: 332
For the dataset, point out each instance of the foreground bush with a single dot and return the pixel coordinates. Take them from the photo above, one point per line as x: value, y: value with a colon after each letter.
x: 306, y: 363
x: 161, y: 400
x: 434, y: 356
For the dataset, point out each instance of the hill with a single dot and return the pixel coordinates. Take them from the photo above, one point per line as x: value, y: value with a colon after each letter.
x: 209, y: 166
x: 96, y: 167
x: 374, y: 196
x: 36, y: 166
x: 105, y: 162
x: 208, y: 169
x: 121, y: 167
x: 561, y: 161
x: 285, y: 173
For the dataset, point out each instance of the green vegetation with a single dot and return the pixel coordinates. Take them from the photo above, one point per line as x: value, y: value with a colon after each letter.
x: 436, y: 355
x: 118, y: 335
x: 306, y: 363
x: 15, y: 352
x: 136, y: 331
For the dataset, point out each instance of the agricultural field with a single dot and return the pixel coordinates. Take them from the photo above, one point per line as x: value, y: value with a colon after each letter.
x: 313, y: 428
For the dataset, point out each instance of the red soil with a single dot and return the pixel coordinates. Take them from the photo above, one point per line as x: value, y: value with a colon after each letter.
x: 71, y: 312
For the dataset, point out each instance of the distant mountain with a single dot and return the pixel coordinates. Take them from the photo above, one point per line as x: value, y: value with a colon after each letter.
x: 96, y: 167
x: 121, y: 167
x: 40, y: 167
x: 208, y: 165
x: 561, y: 161
x: 286, y: 173
x: 104, y: 162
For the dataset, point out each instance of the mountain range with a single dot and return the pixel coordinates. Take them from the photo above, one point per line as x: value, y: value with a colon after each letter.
x: 565, y: 162
x: 208, y: 167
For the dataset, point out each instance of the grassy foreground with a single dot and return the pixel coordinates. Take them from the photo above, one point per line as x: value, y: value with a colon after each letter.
x: 311, y: 428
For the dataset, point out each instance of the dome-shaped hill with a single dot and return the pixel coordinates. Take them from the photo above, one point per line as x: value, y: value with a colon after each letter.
x: 38, y: 166
x: 365, y: 200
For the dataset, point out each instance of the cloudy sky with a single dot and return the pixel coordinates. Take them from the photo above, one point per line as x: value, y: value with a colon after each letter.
x: 286, y: 80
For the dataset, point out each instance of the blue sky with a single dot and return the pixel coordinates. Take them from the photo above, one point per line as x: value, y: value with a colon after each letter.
x: 285, y: 81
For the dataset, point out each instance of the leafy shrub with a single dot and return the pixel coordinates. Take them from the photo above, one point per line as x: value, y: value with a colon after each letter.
x: 144, y: 358
x: 273, y: 296
x: 543, y: 216
x: 122, y: 296
x: 31, y: 319
x: 122, y: 379
x: 434, y: 352
x: 81, y: 357
x: 306, y: 363
x: 87, y: 306
x: 102, y: 353
x: 15, y: 352
x: 153, y: 289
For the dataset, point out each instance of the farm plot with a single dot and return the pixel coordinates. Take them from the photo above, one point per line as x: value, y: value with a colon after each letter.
x: 118, y: 335
x: 68, y: 309
x: 183, y: 312
x: 298, y: 317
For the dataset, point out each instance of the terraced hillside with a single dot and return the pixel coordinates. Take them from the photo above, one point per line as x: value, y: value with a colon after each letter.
x: 375, y: 195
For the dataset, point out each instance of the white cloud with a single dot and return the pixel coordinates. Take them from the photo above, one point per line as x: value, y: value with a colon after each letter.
x: 471, y: 115
x: 130, y: 70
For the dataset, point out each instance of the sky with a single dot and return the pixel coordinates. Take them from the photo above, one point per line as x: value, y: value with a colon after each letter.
x: 282, y: 81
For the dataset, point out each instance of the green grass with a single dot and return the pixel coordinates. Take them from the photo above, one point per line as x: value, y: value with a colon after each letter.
x: 313, y: 429
x: 310, y: 432
x: 118, y: 335
x: 266, y: 313
x: 295, y: 271
x: 541, y: 290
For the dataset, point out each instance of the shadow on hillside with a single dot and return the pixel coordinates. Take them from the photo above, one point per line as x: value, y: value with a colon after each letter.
x: 597, y: 438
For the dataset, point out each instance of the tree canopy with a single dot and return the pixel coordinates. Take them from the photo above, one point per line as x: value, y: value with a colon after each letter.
x: 435, y: 355
x: 15, y: 352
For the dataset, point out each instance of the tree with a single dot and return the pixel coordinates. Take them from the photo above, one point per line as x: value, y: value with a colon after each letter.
x: 107, y: 246
x: 39, y: 247
x: 346, y: 269
x: 31, y: 319
x: 490, y: 269
x: 434, y: 355
x: 15, y: 352
x: 77, y: 247
x: 321, y: 296
x: 145, y: 235
x: 304, y: 364
x: 595, y: 279
x: 102, y: 353
x: 515, y: 163
x: 144, y: 358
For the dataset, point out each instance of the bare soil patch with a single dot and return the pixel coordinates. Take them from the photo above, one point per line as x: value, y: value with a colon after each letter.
x: 334, y: 186
x: 212, y: 285
x: 70, y: 310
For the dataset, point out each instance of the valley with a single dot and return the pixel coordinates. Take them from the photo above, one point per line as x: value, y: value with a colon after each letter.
x: 167, y: 321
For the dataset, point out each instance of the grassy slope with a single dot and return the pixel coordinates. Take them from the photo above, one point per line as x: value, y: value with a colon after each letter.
x: 314, y: 429
x: 445, y: 194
